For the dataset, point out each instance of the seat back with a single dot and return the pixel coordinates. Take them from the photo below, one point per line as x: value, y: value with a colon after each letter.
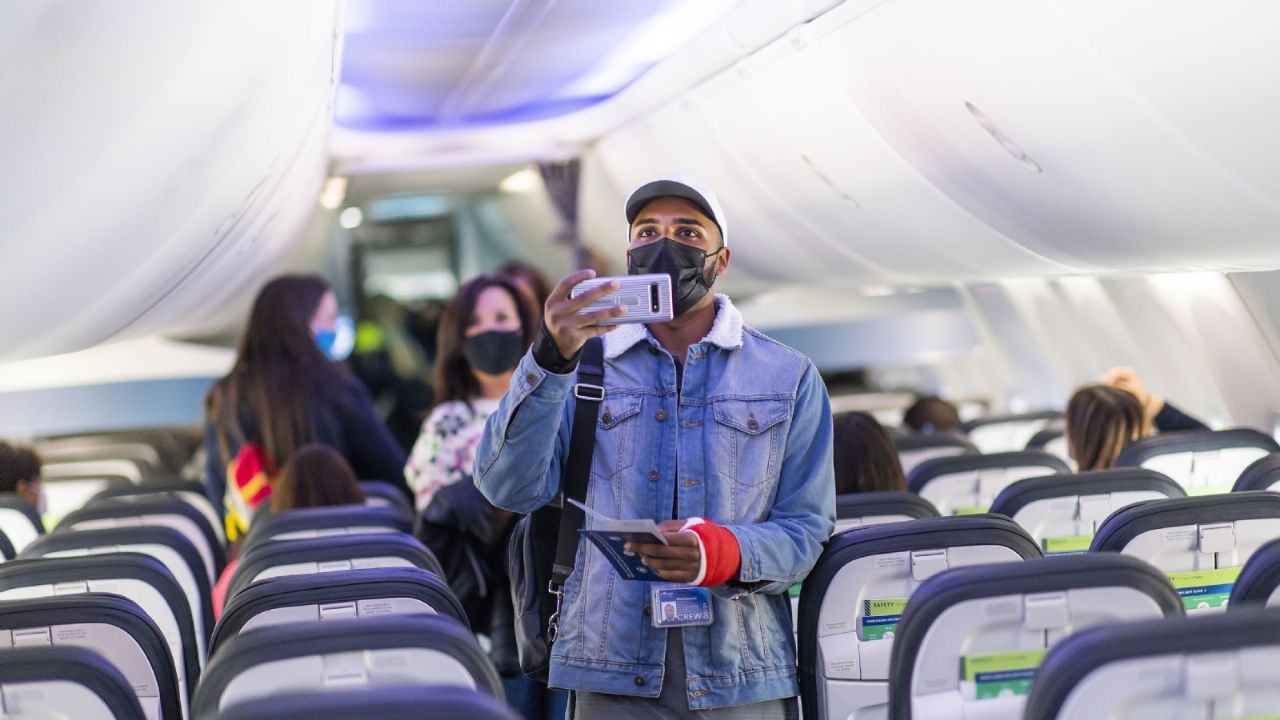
x: 877, y: 508
x: 1204, y: 462
x: 110, y: 625
x: 1262, y: 474
x: 163, y: 509
x: 401, y: 702
x: 7, y: 552
x: 315, y: 657
x: 915, y: 449
x: 1201, y: 543
x: 140, y: 578
x: 193, y: 492
x: 970, y: 641
x: 336, y: 595
x: 1259, y: 580
x: 19, y: 521
x: 323, y: 521
x: 1062, y: 512
x: 968, y: 484
x: 1193, y: 668
x: 326, y: 554
x: 165, y: 544
x: 852, y: 599
x: 1008, y: 433
x: 64, y: 682
x: 1053, y: 442
x: 383, y: 494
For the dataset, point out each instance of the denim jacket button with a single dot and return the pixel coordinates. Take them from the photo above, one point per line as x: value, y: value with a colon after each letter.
x: 640, y: 680
x: 660, y: 415
x: 530, y: 378
x: 648, y: 611
x: 653, y: 476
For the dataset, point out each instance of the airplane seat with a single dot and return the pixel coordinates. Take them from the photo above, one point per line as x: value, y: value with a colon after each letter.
x: 1203, y: 461
x: 336, y: 595
x: 970, y: 640
x: 7, y: 552
x: 165, y: 544
x: 383, y: 494
x: 968, y: 484
x: 915, y: 449
x: 1201, y: 543
x: 110, y: 625
x: 1063, y: 512
x: 163, y: 509
x: 64, y: 682
x: 19, y: 521
x: 325, y: 521
x: 1192, y: 668
x: 1259, y: 581
x: 877, y: 508
x: 140, y: 578
x: 1054, y: 442
x: 425, y: 650
x: 1009, y: 433
x: 326, y: 554
x: 191, y: 491
x: 853, y: 598
x: 405, y: 702
x: 1262, y: 474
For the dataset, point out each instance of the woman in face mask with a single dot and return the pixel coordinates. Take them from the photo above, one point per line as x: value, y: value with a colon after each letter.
x: 484, y: 332
x: 286, y: 391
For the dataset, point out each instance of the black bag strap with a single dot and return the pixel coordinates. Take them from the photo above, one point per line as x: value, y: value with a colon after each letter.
x: 589, y: 391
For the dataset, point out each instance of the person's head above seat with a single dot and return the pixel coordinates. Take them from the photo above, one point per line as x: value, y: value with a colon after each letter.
x: 676, y: 226
x: 864, y: 455
x: 931, y: 415
x: 20, y: 473
x: 315, y: 476
x: 1101, y: 421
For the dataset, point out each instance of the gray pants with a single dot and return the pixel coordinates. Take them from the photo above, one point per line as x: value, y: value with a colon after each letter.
x: 673, y: 702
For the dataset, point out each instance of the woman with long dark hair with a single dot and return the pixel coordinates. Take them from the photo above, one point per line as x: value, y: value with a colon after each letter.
x: 484, y: 331
x: 1101, y: 421
x: 864, y: 456
x: 285, y: 391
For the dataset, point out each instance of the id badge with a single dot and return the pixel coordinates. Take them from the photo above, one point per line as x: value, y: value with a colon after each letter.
x: 679, y: 605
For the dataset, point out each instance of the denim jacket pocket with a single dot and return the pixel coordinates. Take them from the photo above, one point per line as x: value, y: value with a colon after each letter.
x: 749, y: 438
x: 615, y: 434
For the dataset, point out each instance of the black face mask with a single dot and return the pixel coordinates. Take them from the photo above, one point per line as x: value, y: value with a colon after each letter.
x: 494, y: 352
x: 684, y: 263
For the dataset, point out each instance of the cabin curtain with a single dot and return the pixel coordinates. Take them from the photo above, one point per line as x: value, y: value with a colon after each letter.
x: 561, y: 181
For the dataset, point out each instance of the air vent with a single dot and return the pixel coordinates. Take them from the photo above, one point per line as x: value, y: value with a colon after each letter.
x: 1018, y: 153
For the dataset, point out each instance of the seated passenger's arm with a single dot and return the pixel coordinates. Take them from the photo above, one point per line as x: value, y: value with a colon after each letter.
x: 781, y: 550
x: 518, y: 459
x: 1171, y: 419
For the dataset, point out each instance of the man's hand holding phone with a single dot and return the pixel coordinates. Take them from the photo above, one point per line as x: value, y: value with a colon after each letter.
x: 570, y: 328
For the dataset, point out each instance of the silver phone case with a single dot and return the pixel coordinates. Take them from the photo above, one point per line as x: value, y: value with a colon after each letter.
x: 647, y: 298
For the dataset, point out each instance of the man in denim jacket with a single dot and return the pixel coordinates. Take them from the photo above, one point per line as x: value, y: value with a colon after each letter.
x: 706, y: 425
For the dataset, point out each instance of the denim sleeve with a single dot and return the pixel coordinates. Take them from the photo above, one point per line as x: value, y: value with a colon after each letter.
x: 518, y: 459
x: 781, y: 550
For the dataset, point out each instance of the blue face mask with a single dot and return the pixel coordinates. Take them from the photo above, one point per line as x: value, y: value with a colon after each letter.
x: 337, y: 342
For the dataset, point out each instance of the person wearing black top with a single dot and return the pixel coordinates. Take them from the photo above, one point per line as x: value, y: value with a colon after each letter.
x: 284, y: 391
x: 1158, y: 413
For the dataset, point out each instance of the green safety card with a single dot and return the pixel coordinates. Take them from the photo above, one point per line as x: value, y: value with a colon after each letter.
x: 880, y: 617
x: 794, y: 590
x: 1066, y: 545
x: 973, y: 510
x: 1204, y: 588
x: 1001, y: 673
x: 1215, y: 489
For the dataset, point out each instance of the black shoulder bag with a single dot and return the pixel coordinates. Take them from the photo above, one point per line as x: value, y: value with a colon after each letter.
x: 544, y: 543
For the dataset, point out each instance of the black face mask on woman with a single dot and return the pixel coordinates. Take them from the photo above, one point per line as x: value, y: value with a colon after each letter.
x: 684, y: 263
x: 494, y: 352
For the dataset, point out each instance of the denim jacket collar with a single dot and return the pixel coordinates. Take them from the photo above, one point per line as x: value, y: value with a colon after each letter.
x: 726, y: 331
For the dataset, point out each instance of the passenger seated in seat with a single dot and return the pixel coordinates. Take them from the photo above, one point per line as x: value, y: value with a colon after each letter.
x: 931, y: 415
x: 865, y: 458
x: 1101, y: 421
x: 1157, y: 413
x: 316, y: 476
x: 20, y: 474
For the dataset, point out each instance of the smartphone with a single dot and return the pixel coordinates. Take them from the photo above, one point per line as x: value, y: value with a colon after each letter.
x: 646, y: 297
